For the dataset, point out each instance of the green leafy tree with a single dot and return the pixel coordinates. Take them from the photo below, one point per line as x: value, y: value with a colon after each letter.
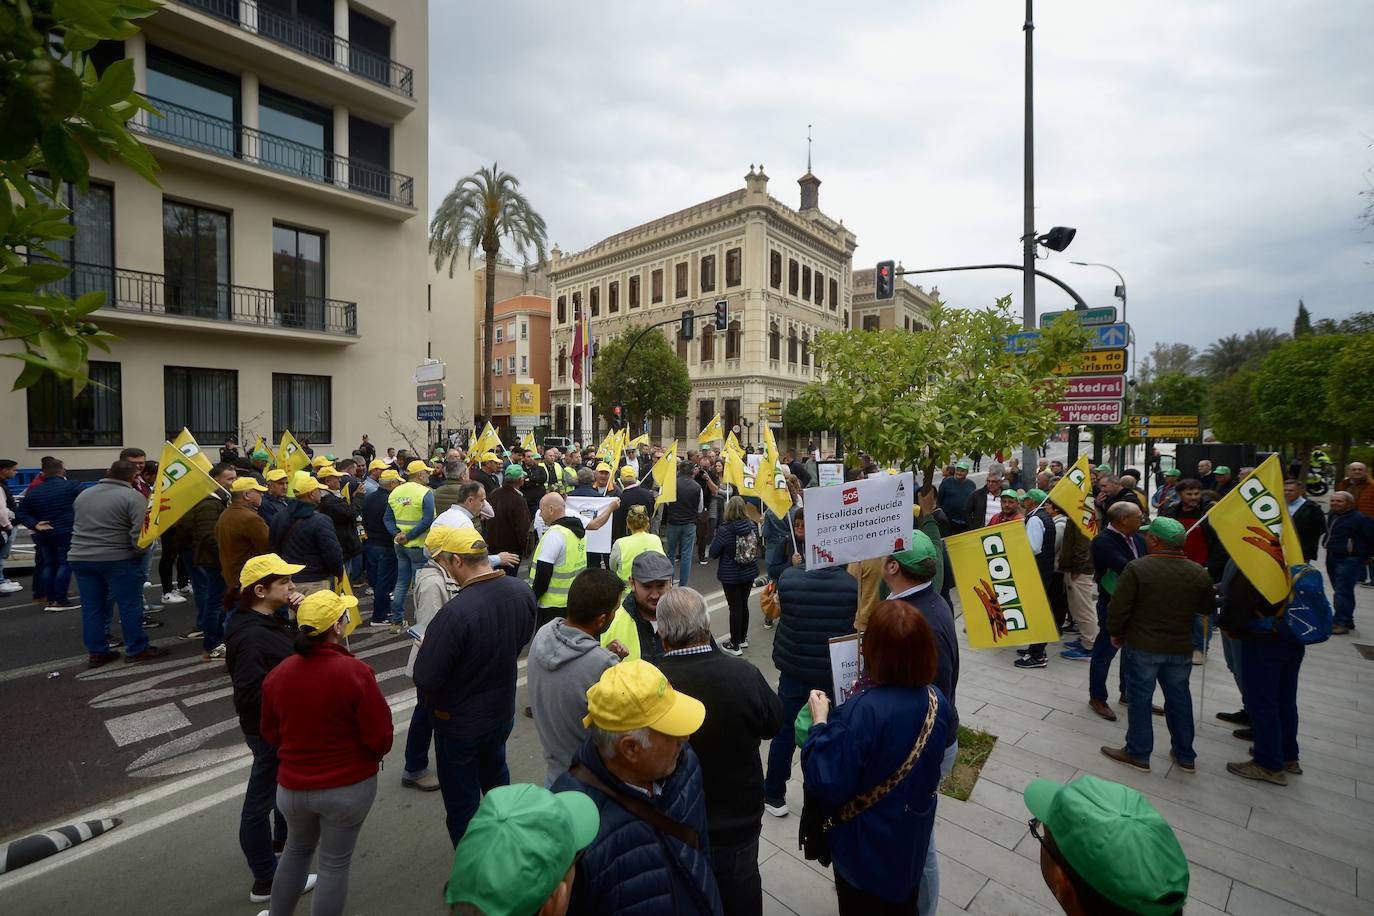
x: 1232, y: 353
x: 1231, y: 410
x: 1168, y: 357
x: 921, y: 399
x: 481, y: 211
x: 1357, y: 323
x: 1347, y: 395
x: 1303, y: 323
x: 652, y: 383
x: 1291, y: 393
x: 804, y: 414
x: 56, y: 112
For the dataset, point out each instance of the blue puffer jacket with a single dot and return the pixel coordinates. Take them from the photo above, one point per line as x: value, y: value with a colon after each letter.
x: 51, y: 501
x: 723, y: 546
x: 777, y: 535
x: 626, y: 870
x: 817, y: 604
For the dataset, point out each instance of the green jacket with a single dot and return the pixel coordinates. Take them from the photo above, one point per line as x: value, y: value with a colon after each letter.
x: 1155, y: 601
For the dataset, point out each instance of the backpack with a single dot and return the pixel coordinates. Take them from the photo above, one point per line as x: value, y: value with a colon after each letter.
x: 747, y: 547
x: 1306, y: 616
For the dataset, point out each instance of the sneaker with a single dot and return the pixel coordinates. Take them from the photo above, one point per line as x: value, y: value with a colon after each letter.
x: 775, y: 808
x: 262, y: 891
x: 104, y: 658
x: 67, y: 605
x: 172, y: 598
x: 744, y: 643
x: 379, y: 624
x: 1198, y: 657
x: 147, y: 585
x: 1339, y: 629
x: 1032, y: 661
x: 703, y: 562
x: 186, y: 589
x: 193, y: 634
x: 1251, y: 770
x: 151, y: 624
x: 214, y: 654
x: 1365, y: 584
x: 152, y: 653
x: 426, y: 783
x: 1073, y: 644
x: 152, y: 608
x: 730, y: 648
x: 1077, y: 654
x: 115, y: 642
x: 1120, y: 756
x: 9, y: 587
x: 1185, y: 767
x: 768, y: 624
x: 1240, y: 717
x: 760, y: 582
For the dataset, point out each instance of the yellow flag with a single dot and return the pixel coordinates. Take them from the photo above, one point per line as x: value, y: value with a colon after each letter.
x: 344, y: 492
x: 345, y: 588
x: 489, y: 441
x: 996, y: 573
x: 187, y: 445
x: 665, y: 475
x: 637, y: 441
x: 606, y: 450
x: 770, y: 485
x: 732, y: 445
x: 261, y: 446
x: 290, y: 456
x: 1074, y: 495
x: 181, y: 483
x: 770, y: 444
x: 713, y: 431
x: 1253, y: 524
x: 734, y: 470
x: 528, y: 443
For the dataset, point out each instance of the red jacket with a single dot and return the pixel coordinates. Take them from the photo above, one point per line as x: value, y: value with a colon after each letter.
x: 327, y: 718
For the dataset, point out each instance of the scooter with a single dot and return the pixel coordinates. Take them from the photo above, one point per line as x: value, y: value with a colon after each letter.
x: 1318, y: 480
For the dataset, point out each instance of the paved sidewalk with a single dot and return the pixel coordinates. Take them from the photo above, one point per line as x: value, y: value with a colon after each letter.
x: 1254, y: 848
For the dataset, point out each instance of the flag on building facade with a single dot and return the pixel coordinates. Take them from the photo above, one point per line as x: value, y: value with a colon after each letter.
x: 1253, y: 525
x: 995, y: 571
x: 181, y: 483
x: 1074, y: 496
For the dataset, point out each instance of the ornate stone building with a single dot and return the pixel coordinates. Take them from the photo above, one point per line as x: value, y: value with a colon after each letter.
x: 786, y: 274
x: 908, y: 309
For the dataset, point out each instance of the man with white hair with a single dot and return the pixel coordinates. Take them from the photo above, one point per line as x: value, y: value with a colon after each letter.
x: 1349, y: 545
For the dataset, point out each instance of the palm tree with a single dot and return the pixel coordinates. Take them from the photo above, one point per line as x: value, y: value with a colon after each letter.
x: 481, y: 211
x: 1224, y: 357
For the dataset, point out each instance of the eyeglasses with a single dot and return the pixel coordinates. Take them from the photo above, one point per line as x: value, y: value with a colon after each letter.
x: 1034, y: 825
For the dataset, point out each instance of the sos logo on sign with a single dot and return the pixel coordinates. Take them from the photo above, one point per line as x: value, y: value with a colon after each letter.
x: 850, y: 496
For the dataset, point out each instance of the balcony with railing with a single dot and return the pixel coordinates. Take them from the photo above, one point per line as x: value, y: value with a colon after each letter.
x: 313, y: 42
x: 137, y: 292
x: 230, y: 140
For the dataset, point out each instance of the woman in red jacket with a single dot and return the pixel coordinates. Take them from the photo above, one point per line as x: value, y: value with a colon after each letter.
x: 331, y: 726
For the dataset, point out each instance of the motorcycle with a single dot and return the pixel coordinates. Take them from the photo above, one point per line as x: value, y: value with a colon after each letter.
x: 1319, y: 479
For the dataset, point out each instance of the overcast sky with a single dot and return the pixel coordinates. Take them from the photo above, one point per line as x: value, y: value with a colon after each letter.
x: 1212, y: 151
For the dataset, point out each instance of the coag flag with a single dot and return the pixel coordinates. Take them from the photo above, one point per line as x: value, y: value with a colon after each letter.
x: 770, y: 485
x: 713, y: 431
x: 734, y: 470
x: 290, y: 456
x: 187, y: 445
x: 345, y: 588
x: 181, y: 483
x: 1253, y: 524
x: 488, y: 441
x: 637, y: 441
x: 261, y: 446
x: 665, y: 475
x: 732, y: 445
x: 1074, y: 495
x: 770, y: 445
x: 995, y: 571
x: 607, y: 449
x: 528, y: 443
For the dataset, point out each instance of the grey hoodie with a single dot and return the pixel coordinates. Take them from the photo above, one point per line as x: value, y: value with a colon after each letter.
x: 109, y: 519
x: 563, y: 663
x: 433, y: 590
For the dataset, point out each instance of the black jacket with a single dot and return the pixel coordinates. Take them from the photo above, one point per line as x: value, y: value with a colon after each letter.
x: 1242, y: 603
x: 817, y: 605
x: 374, y: 518
x: 533, y: 488
x: 340, y: 513
x: 685, y: 509
x: 723, y: 546
x: 1310, y: 525
x: 639, y: 495
x: 300, y: 534
x: 254, y: 644
x: 976, y: 509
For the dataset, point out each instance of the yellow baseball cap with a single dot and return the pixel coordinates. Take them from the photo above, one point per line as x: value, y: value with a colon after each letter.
x: 319, y: 611
x: 628, y: 472
x: 391, y: 474
x: 461, y: 541
x: 378, y: 465
x: 635, y: 694
x: 416, y: 467
x: 319, y: 461
x: 241, y: 484
x: 306, y: 484
x: 489, y: 456
x: 328, y: 471
x: 603, y: 466
x: 275, y: 474
x: 269, y: 564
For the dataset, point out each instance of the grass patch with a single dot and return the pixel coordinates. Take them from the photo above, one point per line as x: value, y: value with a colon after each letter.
x: 974, y: 747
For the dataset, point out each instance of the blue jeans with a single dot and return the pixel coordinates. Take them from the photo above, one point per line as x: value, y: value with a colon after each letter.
x: 1344, y: 572
x: 467, y: 767
x: 99, y: 581
x: 51, y: 574
x: 1271, y: 698
x: 409, y: 561
x: 928, y: 897
x: 381, y: 575
x: 207, y: 585
x: 1203, y: 628
x: 793, y: 693
x: 353, y: 567
x: 681, y: 542
x: 260, y: 811
x: 1234, y: 662
x: 1103, y: 653
x: 417, y: 742
x: 1143, y: 670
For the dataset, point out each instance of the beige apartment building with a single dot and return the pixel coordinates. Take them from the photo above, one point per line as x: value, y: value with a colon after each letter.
x: 277, y: 278
x: 785, y: 273
x: 908, y: 309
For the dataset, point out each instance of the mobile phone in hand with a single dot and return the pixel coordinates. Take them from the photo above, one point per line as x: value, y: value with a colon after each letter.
x: 415, y: 634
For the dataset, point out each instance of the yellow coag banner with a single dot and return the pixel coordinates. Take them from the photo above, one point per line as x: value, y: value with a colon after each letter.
x: 1253, y: 524
x: 1074, y: 495
x: 713, y: 431
x: 181, y: 483
x: 290, y: 456
x: 187, y: 445
x: 999, y: 587
x: 489, y: 441
x: 664, y: 474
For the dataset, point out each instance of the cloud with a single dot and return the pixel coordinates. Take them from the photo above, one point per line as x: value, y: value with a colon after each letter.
x: 1211, y: 151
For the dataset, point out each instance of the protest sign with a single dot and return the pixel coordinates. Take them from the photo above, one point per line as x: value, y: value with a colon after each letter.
x: 588, y: 508
x: 831, y: 473
x: 846, y: 666
x: 858, y: 520
x: 999, y: 587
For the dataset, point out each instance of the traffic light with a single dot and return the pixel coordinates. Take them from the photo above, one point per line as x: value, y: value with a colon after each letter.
x: 618, y: 417
x: 884, y: 278
x: 687, y: 317
x: 722, y: 314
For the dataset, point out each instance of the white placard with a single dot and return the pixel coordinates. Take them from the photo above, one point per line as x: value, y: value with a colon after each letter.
x: 831, y: 473
x: 859, y: 520
x: 588, y: 508
x: 846, y: 665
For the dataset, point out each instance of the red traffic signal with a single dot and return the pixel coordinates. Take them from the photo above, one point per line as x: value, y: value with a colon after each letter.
x: 884, y: 279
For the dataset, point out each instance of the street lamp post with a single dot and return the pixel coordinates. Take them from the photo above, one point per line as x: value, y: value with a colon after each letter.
x: 1028, y: 227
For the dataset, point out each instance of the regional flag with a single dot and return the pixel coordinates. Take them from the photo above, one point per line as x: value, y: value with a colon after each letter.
x: 487, y: 442
x: 1253, y: 524
x: 664, y: 474
x: 187, y: 445
x: 1074, y: 496
x: 713, y: 431
x: 770, y: 445
x: 181, y: 483
x: 290, y: 456
x: 995, y: 571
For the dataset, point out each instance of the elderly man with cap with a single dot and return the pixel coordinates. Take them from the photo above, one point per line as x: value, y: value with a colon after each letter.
x: 260, y: 459
x: 1226, y: 481
x: 1104, y: 849
x: 240, y: 531
x: 379, y: 550
x: 342, y: 515
x: 372, y: 482
x: 488, y: 474
x: 465, y: 673
x: 651, y: 854
x: 1167, y: 495
x: 303, y: 535
x: 632, y: 493
x: 274, y: 500
x: 635, y: 625
x: 519, y: 856
x: 1150, y: 618
x: 508, y: 529
x: 954, y: 496
x: 409, y: 513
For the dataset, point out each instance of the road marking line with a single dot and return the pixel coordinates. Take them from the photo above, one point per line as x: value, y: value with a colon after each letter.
x: 146, y: 723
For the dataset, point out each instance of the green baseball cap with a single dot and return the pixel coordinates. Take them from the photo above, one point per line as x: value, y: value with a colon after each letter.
x: 964, y: 465
x: 1168, y: 530
x: 518, y: 846
x: 1173, y: 472
x: 1221, y: 469
x: 920, y: 556
x: 514, y: 472
x: 261, y: 455
x: 1115, y: 840
x: 1103, y: 469
x: 1036, y: 494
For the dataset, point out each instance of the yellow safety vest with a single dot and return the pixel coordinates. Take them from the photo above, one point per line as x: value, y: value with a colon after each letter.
x: 623, y: 628
x: 631, y: 546
x: 573, y: 562
x: 407, y: 504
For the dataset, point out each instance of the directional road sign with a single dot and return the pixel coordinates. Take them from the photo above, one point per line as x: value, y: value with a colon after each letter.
x: 1163, y: 420
x: 1104, y: 315
x: 431, y: 412
x: 430, y: 393
x: 1094, y: 387
x: 1163, y: 432
x: 1102, y: 337
x: 1093, y: 413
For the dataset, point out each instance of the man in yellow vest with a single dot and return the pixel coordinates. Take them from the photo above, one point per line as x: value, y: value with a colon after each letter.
x: 557, y: 478
x: 409, y: 514
x: 561, y: 554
